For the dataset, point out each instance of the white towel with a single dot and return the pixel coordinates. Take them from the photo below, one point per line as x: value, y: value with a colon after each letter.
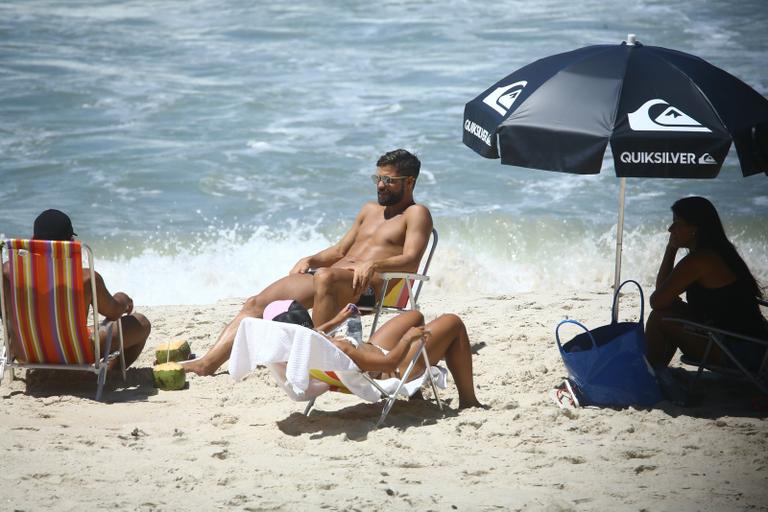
x: 290, y: 351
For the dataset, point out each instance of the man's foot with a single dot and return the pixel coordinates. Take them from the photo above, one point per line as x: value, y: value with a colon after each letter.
x: 197, y: 366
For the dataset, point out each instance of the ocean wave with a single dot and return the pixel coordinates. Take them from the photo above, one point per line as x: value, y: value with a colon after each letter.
x: 493, y: 254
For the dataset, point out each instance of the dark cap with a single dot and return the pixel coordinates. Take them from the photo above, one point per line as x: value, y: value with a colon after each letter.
x: 53, y: 225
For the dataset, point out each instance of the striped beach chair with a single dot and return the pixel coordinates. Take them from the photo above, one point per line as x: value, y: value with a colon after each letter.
x: 44, y: 314
x: 401, y: 290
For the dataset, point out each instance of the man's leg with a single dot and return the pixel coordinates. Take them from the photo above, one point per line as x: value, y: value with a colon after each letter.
x: 136, y: 329
x: 294, y: 286
x: 333, y: 289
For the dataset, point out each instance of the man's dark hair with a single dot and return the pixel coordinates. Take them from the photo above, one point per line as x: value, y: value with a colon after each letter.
x: 403, y: 161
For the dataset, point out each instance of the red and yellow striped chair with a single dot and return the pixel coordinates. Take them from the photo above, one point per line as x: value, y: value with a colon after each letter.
x: 44, y: 320
x: 401, y: 289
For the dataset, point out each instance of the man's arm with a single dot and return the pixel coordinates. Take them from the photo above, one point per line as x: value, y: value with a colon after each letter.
x: 418, y: 229
x: 332, y: 254
x: 111, y: 306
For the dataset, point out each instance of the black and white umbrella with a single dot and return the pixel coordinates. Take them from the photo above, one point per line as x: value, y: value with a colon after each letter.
x: 666, y: 114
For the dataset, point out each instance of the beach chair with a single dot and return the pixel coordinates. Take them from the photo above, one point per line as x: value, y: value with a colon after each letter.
x: 401, y: 290
x: 44, y: 313
x: 715, y: 336
x: 305, y: 364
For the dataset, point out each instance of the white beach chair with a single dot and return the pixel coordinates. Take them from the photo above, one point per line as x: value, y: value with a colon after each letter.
x: 305, y: 364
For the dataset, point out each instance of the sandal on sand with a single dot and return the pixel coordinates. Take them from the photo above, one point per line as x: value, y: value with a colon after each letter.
x: 564, y: 396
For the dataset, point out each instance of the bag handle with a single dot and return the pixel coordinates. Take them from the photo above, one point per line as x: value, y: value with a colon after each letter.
x: 557, y: 333
x: 614, y: 318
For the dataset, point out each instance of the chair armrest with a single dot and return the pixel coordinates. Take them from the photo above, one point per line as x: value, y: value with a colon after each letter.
x: 404, y: 275
x: 706, y: 329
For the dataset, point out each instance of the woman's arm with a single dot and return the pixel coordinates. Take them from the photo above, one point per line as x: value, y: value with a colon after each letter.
x: 334, y: 322
x: 676, y: 281
x: 667, y: 264
x: 373, y: 360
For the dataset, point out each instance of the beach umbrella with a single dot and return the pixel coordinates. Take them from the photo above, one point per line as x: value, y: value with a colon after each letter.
x: 665, y: 113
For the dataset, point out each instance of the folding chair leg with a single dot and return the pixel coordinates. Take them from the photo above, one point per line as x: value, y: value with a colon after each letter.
x: 387, y: 407
x: 122, y: 348
x: 431, y: 378
x: 695, y: 379
x: 100, y: 382
x: 309, y: 407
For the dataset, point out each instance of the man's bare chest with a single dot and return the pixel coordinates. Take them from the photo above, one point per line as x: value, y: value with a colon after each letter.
x: 383, y: 232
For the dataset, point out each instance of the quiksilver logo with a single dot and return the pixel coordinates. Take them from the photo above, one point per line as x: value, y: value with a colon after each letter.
x: 502, y: 98
x: 478, y: 131
x: 665, y: 157
x: 658, y: 115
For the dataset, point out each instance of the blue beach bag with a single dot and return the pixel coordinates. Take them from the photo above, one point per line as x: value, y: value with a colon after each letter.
x: 608, y: 364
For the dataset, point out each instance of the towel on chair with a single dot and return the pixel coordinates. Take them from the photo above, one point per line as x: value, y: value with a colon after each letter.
x: 290, y: 351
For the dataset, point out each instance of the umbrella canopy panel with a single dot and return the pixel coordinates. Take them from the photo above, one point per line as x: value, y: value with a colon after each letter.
x: 665, y: 114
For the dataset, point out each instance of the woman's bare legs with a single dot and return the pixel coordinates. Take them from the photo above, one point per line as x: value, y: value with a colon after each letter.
x: 448, y: 340
x: 389, y: 334
x: 664, y: 338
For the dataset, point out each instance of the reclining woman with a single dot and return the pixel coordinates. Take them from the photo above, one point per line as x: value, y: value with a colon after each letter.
x: 394, y: 344
x: 720, y: 290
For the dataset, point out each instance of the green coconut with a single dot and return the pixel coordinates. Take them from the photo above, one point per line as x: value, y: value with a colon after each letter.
x: 173, y: 351
x: 169, y: 376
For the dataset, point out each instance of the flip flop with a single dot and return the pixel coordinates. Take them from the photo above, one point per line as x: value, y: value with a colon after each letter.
x: 564, y: 396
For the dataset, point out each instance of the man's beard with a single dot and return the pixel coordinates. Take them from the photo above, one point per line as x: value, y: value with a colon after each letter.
x: 388, y: 198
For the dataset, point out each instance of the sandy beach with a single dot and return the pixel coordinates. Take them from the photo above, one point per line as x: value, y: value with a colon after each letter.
x: 221, y: 445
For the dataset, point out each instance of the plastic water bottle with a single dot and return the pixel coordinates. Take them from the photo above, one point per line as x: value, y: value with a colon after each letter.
x: 355, y: 326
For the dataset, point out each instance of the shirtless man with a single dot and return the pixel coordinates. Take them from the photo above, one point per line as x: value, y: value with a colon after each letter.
x: 389, y: 236
x: 56, y: 225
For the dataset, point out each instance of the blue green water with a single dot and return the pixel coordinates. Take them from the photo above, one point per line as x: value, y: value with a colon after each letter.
x: 202, y: 147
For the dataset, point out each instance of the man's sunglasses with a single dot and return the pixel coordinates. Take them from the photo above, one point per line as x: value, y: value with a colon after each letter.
x: 386, y: 180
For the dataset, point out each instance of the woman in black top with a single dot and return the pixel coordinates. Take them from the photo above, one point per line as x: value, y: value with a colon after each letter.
x: 720, y: 290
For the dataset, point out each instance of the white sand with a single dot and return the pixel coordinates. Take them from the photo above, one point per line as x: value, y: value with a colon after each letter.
x: 221, y: 445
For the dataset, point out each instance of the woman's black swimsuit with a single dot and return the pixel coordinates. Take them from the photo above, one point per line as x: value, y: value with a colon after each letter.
x: 733, y: 308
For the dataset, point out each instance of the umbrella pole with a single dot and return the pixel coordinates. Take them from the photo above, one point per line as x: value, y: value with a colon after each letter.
x: 619, y: 239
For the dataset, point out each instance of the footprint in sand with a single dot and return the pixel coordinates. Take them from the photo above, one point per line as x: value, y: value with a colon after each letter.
x: 637, y: 454
x: 222, y: 455
x: 469, y: 426
x: 224, y: 420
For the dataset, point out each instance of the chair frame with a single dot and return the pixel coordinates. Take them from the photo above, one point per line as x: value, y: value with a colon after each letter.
x: 392, y: 397
x: 413, y: 295
x: 99, y: 366
x: 715, y: 336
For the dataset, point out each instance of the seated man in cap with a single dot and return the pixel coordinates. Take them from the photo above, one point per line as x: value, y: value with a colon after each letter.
x: 390, y: 236
x: 56, y: 225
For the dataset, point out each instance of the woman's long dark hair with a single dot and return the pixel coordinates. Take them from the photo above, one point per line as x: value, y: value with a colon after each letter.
x: 710, y: 234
